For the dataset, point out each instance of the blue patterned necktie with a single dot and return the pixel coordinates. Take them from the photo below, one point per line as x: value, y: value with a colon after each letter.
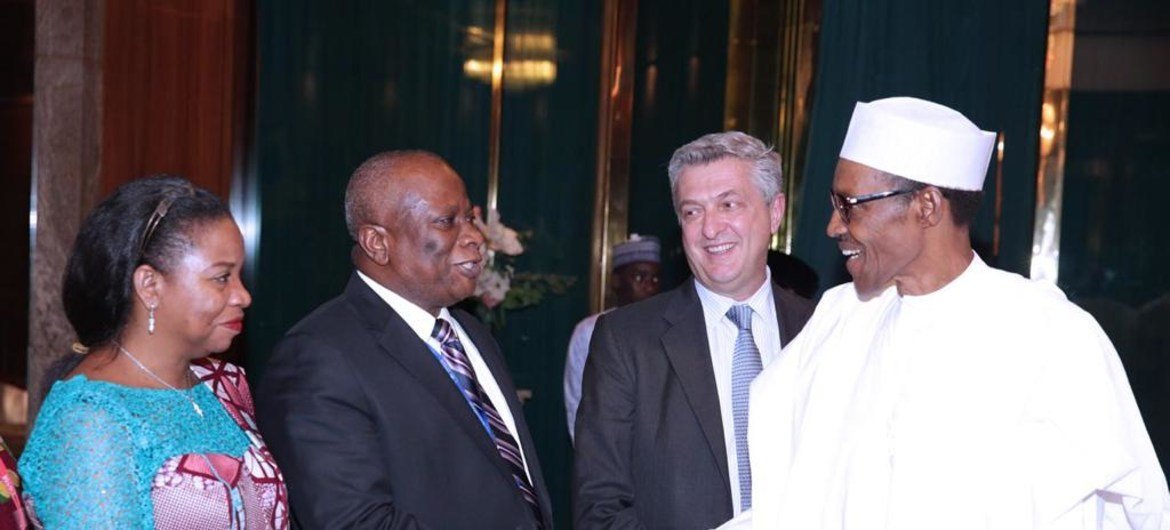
x: 464, y: 375
x: 745, y: 366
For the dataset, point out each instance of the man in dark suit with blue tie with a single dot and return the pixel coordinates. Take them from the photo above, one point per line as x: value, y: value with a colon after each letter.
x: 386, y: 409
x: 662, y: 426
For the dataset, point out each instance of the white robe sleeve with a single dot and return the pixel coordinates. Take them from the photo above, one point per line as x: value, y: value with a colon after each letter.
x: 1094, y: 464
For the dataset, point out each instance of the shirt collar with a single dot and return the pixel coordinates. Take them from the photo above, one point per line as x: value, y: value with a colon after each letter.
x: 419, y: 320
x: 947, y: 292
x: 718, y: 304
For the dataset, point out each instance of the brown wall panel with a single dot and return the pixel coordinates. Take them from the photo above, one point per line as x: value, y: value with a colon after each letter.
x: 174, y: 85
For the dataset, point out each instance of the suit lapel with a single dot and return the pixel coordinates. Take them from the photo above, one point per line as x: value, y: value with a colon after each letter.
x: 686, y: 346
x: 400, y: 342
x: 783, y: 316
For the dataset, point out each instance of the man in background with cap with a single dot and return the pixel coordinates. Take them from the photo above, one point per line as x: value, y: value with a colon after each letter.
x: 636, y: 267
x: 934, y: 391
x: 662, y: 428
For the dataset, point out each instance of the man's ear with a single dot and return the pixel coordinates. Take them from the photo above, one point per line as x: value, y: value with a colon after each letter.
x: 375, y: 242
x: 930, y: 206
x: 147, y: 283
x: 776, y: 211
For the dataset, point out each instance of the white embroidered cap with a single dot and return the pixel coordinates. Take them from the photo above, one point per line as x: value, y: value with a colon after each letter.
x: 637, y: 248
x: 919, y: 140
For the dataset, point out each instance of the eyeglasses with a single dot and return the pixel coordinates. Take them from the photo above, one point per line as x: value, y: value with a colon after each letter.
x: 844, y: 204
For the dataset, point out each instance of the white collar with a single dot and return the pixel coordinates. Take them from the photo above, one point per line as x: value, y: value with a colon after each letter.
x: 719, y: 304
x: 419, y: 320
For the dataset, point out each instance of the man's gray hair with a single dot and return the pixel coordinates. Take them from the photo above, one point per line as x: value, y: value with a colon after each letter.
x: 359, y: 194
x: 765, y: 162
x: 369, y: 187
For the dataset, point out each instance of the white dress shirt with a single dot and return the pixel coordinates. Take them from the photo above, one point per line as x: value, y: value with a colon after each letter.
x: 422, y: 323
x: 575, y: 367
x: 721, y: 335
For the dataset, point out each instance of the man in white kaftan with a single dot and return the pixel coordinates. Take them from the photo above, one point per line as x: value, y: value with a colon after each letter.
x: 935, y: 391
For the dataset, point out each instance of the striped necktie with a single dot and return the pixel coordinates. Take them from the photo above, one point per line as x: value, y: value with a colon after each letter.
x: 464, y: 375
x: 745, y: 366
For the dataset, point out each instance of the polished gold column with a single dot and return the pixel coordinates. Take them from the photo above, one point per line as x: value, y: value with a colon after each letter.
x: 497, y: 111
x: 796, y: 75
x: 1053, y: 124
x: 614, y: 120
x: 770, y: 53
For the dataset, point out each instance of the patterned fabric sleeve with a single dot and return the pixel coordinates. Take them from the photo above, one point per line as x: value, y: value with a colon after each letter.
x: 12, y: 516
x: 79, y: 469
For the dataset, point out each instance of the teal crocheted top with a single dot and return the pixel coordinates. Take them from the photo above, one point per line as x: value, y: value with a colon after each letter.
x: 96, y: 448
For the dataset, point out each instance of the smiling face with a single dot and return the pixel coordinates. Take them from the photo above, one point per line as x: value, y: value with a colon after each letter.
x: 433, y: 249
x: 726, y: 225
x: 882, y: 242
x: 201, y: 299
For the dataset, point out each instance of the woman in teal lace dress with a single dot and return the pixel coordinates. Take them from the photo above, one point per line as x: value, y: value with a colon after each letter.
x: 143, y: 430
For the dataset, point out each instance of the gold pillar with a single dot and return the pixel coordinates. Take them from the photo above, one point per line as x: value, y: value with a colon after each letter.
x: 615, y: 108
x: 497, y: 110
x: 796, y: 74
x: 769, y: 75
x: 1053, y: 123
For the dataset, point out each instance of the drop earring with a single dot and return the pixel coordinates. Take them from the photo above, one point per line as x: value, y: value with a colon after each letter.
x: 150, y: 320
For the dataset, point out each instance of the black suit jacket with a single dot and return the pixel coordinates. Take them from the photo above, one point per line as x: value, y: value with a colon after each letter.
x: 649, y: 449
x: 371, y: 432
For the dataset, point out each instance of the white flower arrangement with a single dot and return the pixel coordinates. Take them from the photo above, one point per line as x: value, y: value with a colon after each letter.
x: 493, y: 285
x: 499, y: 287
x: 499, y: 237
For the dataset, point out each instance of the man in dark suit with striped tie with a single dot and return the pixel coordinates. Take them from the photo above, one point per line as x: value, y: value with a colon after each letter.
x: 386, y: 409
